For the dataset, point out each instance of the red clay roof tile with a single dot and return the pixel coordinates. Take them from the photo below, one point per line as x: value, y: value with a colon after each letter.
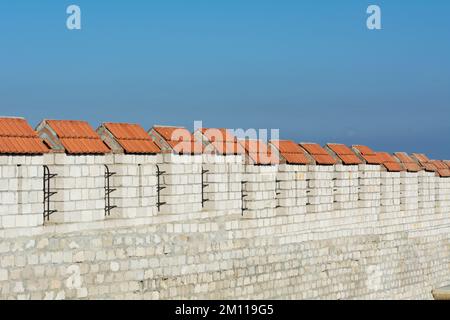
x: 174, y: 133
x: 78, y: 137
x: 408, y: 162
x: 223, y: 141
x: 291, y: 152
x: 132, y: 138
x: 18, y: 137
x: 347, y: 156
x: 367, y: 154
x: 180, y: 140
x: 442, y: 169
x: 429, y: 167
x: 439, y: 164
x: 186, y: 147
x: 218, y: 134
x: 421, y: 157
x: 424, y: 162
x: 259, y: 152
x: 389, y: 162
x: 319, y: 154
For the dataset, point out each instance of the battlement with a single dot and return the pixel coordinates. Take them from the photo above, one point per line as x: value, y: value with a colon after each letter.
x: 249, y: 206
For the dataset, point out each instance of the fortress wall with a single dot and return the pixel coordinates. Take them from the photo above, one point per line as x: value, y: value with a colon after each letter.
x: 310, y: 232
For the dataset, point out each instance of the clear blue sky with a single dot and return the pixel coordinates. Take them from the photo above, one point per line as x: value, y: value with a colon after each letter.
x: 310, y: 68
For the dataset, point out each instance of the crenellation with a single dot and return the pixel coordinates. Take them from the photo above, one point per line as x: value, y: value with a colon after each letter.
x: 390, y: 192
x: 308, y: 231
x: 74, y: 201
x: 320, y: 180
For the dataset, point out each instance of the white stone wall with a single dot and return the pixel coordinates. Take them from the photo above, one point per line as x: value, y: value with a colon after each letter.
x: 135, y: 183
x: 320, y: 197
x: 80, y: 187
x: 409, y: 191
x: 182, y: 181
x: 21, y: 191
x: 390, y: 191
x: 260, y: 190
x: 302, y: 256
x: 223, y: 180
x: 291, y: 189
x: 346, y: 187
x: 442, y: 195
x: 342, y: 245
x: 427, y: 191
x: 370, y: 186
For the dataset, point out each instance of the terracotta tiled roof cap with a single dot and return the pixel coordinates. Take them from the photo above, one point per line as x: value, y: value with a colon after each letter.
x: 439, y: 164
x: 174, y: 133
x: 447, y: 162
x: 186, y: 147
x: 180, y: 140
x: 78, y: 137
x: 389, y: 162
x: 223, y: 141
x: 424, y: 162
x: 18, y: 137
x: 319, y: 154
x: 408, y: 162
x: 132, y: 138
x: 421, y: 157
x: 367, y: 154
x: 344, y: 153
x: 291, y: 152
x: 218, y: 134
x: 442, y: 169
x: 259, y: 152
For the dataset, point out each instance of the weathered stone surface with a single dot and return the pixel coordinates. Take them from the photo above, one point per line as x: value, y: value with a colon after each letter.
x: 274, y: 257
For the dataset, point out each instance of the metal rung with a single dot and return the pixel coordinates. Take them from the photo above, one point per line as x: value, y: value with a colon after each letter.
x: 159, y: 173
x: 47, y: 193
x: 243, y: 196
x: 204, y: 185
x: 109, y: 191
